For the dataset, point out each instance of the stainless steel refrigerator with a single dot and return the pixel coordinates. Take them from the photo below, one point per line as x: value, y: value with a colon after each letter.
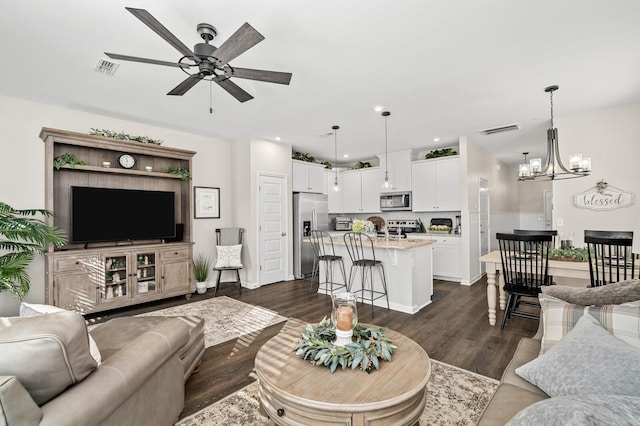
x: 310, y: 212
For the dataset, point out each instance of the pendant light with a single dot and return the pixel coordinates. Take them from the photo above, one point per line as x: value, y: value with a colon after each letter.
x: 336, y: 186
x: 553, y: 168
x: 387, y: 183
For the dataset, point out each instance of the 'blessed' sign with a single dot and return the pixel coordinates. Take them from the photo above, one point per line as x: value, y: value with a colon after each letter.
x: 604, y: 197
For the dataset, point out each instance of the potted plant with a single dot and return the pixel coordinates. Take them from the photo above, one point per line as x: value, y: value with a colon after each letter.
x: 21, y: 237
x: 201, y: 268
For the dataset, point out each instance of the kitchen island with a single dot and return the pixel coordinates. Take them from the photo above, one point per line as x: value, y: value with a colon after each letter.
x: 408, y: 268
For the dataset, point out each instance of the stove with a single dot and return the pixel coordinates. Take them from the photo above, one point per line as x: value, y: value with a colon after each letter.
x: 405, y: 226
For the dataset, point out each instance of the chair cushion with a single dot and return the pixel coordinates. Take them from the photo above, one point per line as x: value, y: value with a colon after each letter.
x: 33, y: 309
x: 229, y: 256
x: 47, y: 353
x: 579, y: 411
x: 588, y: 360
x: 610, y: 294
x: 559, y: 317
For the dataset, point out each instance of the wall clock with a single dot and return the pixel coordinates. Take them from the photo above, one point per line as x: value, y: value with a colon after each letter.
x: 126, y: 161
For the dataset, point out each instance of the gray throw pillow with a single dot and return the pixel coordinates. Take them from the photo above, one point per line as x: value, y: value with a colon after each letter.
x: 580, y: 411
x: 610, y: 294
x: 588, y: 360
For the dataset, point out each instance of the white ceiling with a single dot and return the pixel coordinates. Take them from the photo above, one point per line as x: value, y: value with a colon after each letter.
x: 443, y: 68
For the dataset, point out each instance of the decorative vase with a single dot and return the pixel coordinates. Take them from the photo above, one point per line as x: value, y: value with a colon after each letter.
x: 201, y: 287
x: 344, y: 316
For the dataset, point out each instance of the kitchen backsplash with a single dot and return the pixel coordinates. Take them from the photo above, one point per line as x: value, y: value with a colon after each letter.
x: 424, y: 217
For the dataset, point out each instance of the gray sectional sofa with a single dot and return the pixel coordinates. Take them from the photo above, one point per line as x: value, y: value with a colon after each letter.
x: 604, y: 392
x: 48, y: 375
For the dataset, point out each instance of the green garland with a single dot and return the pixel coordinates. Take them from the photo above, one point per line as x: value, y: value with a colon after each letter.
x: 370, y: 346
x: 180, y: 172
x: 123, y: 136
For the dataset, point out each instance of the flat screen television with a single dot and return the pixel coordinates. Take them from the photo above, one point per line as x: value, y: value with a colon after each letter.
x: 106, y: 214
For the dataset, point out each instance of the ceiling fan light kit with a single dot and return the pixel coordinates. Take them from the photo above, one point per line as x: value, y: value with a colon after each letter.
x: 212, y: 62
x: 553, y: 168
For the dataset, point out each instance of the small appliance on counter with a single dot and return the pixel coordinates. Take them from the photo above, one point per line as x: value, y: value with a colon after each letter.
x: 441, y: 222
x: 342, y: 223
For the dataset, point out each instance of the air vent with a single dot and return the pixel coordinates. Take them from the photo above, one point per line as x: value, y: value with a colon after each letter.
x: 106, y: 66
x: 494, y: 130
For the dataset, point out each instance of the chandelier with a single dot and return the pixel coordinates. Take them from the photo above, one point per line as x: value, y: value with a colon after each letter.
x: 553, y: 168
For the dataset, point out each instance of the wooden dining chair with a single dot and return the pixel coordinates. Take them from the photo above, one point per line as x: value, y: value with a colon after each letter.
x: 551, y: 232
x: 525, y: 269
x: 610, y: 257
x: 229, y: 251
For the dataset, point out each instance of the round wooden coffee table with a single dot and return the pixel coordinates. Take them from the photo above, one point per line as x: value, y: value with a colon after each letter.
x: 294, y: 392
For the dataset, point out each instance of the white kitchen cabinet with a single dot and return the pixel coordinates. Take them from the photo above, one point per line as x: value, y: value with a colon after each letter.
x: 308, y: 177
x: 362, y: 190
x: 446, y: 258
x: 335, y: 199
x: 399, y: 164
x: 436, y: 185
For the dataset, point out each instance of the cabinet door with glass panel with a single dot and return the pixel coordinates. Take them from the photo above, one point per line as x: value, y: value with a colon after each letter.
x: 116, y: 281
x: 144, y: 275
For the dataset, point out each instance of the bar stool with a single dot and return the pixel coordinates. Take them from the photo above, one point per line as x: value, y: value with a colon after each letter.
x: 322, y: 245
x: 356, y: 244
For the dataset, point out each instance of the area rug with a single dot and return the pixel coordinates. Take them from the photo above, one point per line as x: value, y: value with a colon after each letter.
x: 224, y: 318
x: 454, y: 397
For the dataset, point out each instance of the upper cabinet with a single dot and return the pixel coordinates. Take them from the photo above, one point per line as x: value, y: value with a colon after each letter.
x: 335, y: 198
x: 308, y: 177
x: 362, y: 190
x: 436, y: 185
x: 399, y: 164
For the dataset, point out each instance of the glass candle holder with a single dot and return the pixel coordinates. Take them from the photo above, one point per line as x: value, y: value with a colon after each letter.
x: 344, y: 316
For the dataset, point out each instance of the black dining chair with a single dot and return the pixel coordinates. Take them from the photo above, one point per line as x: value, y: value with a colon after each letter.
x: 363, y: 259
x: 325, y: 254
x: 610, y: 257
x: 525, y: 269
x: 551, y: 232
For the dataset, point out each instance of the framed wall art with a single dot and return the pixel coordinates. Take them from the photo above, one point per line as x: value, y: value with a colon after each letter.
x: 206, y: 202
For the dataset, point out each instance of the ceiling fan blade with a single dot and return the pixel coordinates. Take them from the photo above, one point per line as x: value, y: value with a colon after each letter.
x: 163, y: 32
x: 233, y: 89
x: 187, y: 84
x: 242, y: 40
x: 260, y: 75
x: 145, y: 60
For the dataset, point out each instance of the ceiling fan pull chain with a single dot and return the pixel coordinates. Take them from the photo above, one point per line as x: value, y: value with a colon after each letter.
x: 210, y: 97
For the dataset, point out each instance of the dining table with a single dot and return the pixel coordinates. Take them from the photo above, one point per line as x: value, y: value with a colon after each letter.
x: 493, y: 266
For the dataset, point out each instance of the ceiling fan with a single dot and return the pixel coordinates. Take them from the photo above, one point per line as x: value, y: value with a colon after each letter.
x: 212, y: 62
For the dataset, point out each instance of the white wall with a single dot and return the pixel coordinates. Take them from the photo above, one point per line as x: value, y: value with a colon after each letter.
x: 611, y: 138
x: 503, y: 203
x: 22, y: 171
x: 250, y: 159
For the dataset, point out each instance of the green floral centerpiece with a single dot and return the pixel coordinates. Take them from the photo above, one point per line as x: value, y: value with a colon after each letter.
x: 364, y: 226
x: 369, y: 347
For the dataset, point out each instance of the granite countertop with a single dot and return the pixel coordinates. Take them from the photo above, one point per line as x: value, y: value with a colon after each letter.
x: 403, y: 244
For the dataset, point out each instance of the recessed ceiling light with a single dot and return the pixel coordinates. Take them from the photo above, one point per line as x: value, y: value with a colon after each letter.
x: 278, y: 138
x: 346, y: 155
x: 378, y: 108
x: 436, y: 139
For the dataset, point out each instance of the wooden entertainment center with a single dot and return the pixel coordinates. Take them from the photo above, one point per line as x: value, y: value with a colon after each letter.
x: 109, y: 275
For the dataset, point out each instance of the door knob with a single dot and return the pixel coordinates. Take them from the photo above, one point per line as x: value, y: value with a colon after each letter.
x: 284, y: 234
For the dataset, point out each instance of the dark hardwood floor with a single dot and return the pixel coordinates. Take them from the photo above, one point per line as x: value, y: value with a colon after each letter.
x: 454, y: 329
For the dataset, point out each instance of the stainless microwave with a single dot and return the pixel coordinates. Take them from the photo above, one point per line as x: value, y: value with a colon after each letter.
x: 390, y: 201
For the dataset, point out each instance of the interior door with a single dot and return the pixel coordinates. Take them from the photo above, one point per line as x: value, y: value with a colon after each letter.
x: 272, y: 229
